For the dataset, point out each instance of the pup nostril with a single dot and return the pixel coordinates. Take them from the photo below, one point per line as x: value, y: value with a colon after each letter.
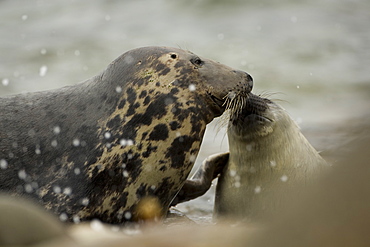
x: 249, y: 81
x: 249, y: 77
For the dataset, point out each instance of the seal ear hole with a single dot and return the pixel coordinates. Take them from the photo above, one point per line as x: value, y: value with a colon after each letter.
x: 173, y: 56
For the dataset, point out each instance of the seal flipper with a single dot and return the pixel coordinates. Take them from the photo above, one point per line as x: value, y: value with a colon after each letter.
x: 202, y: 179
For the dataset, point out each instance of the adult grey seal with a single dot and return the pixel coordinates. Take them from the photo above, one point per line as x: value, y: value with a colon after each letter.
x: 94, y: 150
x: 268, y: 152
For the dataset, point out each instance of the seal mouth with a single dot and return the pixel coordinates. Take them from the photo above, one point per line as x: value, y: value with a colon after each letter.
x: 218, y: 103
x: 249, y: 109
x: 255, y: 117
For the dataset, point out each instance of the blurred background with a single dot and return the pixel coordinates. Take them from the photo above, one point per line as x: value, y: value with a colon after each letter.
x: 312, y: 56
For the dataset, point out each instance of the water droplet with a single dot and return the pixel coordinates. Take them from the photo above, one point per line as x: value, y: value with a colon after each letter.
x: 257, y: 190
x: 220, y: 36
x: 125, y: 174
x: 128, y: 59
x: 31, y: 132
x: 24, y: 17
x: 67, y: 191
x: 54, y: 143
x: 28, y: 188
x: 56, y: 130
x: 35, y: 185
x: 76, y: 142
x: 96, y: 225
x: 168, y: 101
x: 57, y: 189
x: 123, y: 142
x: 22, y: 174
x: 118, y: 89
x: 272, y: 163
x: 232, y: 173
x: 43, y: 51
x: 107, y: 135
x: 128, y: 215
x: 192, y: 158
x: 237, y: 184
x: 3, y: 164
x: 43, y: 70
x: 63, y: 217
x: 77, y: 171
x: 5, y: 82
x: 284, y: 178
x: 297, y: 86
x: 76, y: 219
x: 130, y: 142
x: 37, y: 150
x: 85, y: 201
x: 192, y: 87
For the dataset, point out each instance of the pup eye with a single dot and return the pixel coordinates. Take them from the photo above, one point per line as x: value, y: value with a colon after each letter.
x: 197, y: 61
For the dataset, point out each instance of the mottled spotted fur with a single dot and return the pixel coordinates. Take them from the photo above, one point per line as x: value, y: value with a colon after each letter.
x: 93, y: 150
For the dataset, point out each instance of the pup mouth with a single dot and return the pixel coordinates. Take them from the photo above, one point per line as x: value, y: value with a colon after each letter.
x: 250, y: 108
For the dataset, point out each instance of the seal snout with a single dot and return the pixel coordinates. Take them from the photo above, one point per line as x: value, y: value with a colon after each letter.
x: 246, y: 85
x: 249, y: 81
x: 248, y: 108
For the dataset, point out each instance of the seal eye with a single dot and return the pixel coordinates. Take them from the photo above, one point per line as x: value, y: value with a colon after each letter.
x: 197, y: 61
x: 173, y: 56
